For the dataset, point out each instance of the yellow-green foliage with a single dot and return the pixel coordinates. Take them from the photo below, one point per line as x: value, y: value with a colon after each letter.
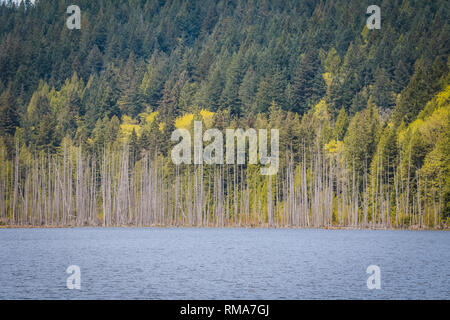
x: 184, y: 121
x: 207, y: 117
x: 127, y: 126
x: 42, y: 91
x: 151, y: 117
x: 333, y: 147
x: 425, y: 145
x: 328, y: 78
x: 321, y: 111
x: 321, y: 122
x: 432, y: 122
x: 147, y: 117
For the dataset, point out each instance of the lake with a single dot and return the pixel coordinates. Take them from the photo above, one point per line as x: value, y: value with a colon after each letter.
x: 193, y: 263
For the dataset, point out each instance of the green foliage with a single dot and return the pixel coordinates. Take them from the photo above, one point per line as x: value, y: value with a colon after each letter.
x: 303, y: 67
x: 9, y: 118
x: 362, y: 137
x: 308, y: 84
x: 342, y: 123
x: 424, y: 83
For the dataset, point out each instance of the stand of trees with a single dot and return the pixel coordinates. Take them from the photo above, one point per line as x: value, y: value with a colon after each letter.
x: 86, y: 115
x: 319, y: 183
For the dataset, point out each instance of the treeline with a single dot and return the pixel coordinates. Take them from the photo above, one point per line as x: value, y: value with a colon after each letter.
x: 86, y: 115
x: 319, y: 183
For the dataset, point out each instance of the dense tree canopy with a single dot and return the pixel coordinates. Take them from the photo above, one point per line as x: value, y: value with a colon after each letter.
x: 138, y: 69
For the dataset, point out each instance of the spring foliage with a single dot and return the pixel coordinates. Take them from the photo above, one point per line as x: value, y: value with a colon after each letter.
x: 86, y: 115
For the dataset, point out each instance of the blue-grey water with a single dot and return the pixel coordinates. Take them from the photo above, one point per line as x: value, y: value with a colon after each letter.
x: 149, y: 263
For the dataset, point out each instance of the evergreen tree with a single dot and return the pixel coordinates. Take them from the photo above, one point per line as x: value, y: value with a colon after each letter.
x: 308, y: 85
x: 230, y: 94
x: 9, y: 119
x: 342, y: 122
x: 424, y: 83
x: 362, y: 137
x: 382, y: 93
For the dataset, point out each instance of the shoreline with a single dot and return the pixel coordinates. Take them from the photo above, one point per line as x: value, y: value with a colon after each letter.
x: 413, y: 228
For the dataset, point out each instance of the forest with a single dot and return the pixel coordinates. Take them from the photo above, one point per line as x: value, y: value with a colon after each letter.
x: 86, y: 116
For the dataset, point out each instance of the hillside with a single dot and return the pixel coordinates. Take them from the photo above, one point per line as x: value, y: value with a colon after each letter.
x: 86, y: 115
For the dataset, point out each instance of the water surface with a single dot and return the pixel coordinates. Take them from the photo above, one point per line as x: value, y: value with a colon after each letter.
x: 148, y: 263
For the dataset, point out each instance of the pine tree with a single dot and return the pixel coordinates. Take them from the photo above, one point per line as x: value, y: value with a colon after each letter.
x: 342, y: 122
x: 94, y: 61
x: 382, y: 93
x: 247, y: 90
x: 308, y: 85
x: 271, y: 89
x: 362, y: 137
x: 9, y: 118
x: 424, y: 83
x: 230, y: 94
